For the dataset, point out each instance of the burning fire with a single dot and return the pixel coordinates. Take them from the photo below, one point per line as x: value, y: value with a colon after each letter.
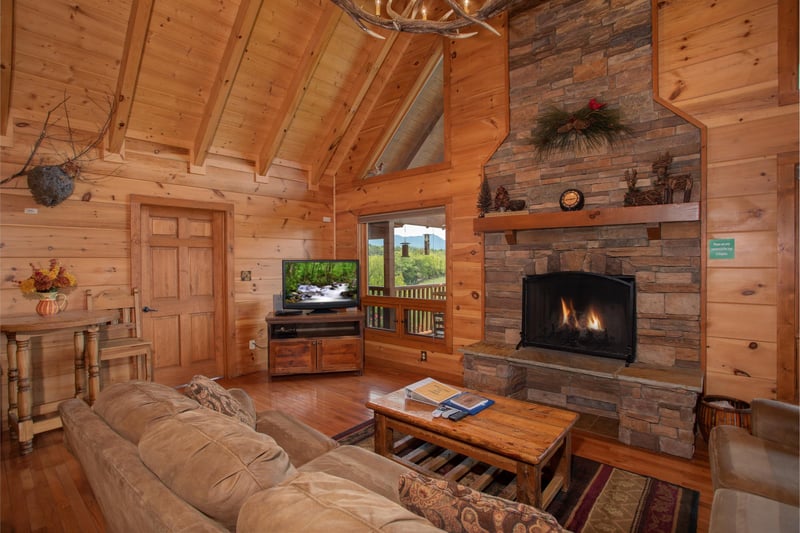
x: 569, y: 318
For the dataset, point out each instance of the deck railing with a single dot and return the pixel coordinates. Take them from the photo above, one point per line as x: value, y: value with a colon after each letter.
x: 417, y: 321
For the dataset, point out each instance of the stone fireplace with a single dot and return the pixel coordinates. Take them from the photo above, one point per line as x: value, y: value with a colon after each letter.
x: 564, y: 53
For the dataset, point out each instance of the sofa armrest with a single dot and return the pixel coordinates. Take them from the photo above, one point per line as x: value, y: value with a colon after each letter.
x: 776, y: 421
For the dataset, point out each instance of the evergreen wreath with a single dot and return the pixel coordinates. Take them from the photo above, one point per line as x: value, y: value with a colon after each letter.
x: 587, y: 128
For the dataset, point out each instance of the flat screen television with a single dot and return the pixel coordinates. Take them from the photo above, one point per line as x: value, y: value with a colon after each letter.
x: 320, y: 285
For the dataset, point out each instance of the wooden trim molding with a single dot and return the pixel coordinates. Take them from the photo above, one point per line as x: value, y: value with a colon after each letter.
x: 6, y: 61
x: 788, y: 52
x: 787, y: 278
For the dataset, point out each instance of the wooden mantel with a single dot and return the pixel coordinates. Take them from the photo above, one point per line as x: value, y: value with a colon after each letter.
x: 645, y: 214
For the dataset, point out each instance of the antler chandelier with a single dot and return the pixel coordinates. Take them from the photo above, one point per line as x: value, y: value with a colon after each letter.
x: 414, y: 18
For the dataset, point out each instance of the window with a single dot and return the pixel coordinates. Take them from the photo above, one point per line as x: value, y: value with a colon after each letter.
x: 406, y: 276
x: 419, y: 139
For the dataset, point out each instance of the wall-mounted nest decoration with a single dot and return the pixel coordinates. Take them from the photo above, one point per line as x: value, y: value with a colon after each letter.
x: 51, y: 184
x: 587, y: 128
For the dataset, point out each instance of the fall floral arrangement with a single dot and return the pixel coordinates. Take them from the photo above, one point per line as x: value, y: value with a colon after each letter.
x: 47, y: 279
x: 587, y: 128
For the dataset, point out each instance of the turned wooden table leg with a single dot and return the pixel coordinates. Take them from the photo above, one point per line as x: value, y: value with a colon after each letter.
x: 80, y: 364
x: 25, y: 395
x: 93, y: 355
x: 13, y: 379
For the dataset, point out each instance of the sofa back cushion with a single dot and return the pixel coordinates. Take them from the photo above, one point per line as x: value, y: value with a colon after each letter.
x: 131, y: 406
x: 212, y: 461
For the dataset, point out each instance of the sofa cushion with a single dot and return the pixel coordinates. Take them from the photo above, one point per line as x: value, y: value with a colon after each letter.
x: 459, y: 509
x: 211, y: 394
x: 739, y: 512
x: 315, y: 502
x: 299, y: 440
x: 370, y: 470
x: 213, y: 462
x: 131, y: 406
x: 743, y: 462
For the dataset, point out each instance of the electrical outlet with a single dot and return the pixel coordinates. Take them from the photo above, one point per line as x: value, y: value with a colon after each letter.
x: 423, y: 355
x: 252, y: 344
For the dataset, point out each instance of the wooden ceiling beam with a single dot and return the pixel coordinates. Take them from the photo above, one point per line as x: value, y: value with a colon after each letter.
x: 135, y: 39
x: 351, y: 136
x: 344, y: 116
x: 226, y: 74
x: 312, y: 55
x: 6, y: 61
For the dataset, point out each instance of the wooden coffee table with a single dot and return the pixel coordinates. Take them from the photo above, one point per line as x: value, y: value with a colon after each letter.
x: 516, y: 436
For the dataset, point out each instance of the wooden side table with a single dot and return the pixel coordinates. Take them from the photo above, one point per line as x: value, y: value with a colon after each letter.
x: 20, y: 329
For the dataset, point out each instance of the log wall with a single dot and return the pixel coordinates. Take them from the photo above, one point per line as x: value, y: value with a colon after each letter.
x: 90, y: 234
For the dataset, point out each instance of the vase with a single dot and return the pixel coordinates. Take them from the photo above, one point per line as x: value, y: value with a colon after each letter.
x: 51, y: 303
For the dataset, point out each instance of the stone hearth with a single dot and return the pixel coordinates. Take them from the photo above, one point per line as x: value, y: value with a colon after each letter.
x: 654, y: 406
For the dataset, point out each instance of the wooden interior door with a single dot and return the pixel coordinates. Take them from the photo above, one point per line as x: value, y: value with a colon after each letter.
x: 182, y: 276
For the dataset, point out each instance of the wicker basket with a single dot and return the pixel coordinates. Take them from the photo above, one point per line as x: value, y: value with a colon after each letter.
x: 709, y: 414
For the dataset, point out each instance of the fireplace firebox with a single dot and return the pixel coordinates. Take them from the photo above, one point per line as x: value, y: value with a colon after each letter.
x: 580, y: 312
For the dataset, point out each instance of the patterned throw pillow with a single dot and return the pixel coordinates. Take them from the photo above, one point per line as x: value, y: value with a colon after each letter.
x: 459, y: 509
x: 211, y: 394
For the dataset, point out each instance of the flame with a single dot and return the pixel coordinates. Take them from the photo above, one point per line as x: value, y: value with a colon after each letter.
x: 593, y: 321
x: 569, y: 317
x: 567, y: 313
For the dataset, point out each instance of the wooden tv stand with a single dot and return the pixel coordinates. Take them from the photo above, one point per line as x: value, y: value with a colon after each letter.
x: 315, y: 343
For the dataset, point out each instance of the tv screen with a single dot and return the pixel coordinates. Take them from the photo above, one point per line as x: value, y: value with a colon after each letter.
x: 320, y: 284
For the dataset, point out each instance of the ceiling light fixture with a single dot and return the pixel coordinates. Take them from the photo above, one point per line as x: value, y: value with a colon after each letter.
x: 414, y: 18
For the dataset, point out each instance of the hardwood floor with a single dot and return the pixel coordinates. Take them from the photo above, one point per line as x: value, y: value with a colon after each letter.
x: 46, y: 490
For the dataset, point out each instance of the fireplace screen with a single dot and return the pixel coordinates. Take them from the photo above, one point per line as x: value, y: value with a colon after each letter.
x: 580, y: 312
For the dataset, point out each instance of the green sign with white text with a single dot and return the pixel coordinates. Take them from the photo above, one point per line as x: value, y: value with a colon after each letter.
x: 721, y: 248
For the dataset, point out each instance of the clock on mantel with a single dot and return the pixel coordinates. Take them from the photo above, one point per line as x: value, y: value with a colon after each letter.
x: 610, y: 216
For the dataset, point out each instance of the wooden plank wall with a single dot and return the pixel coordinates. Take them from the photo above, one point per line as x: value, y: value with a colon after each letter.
x: 90, y: 233
x: 719, y: 65
x: 476, y: 101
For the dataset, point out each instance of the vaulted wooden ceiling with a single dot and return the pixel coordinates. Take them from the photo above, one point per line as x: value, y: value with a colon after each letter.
x: 289, y: 85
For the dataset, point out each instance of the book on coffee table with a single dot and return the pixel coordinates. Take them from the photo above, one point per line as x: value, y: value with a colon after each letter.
x: 470, y: 402
x: 430, y: 391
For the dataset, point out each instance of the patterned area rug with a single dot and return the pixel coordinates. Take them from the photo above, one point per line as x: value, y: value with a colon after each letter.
x: 600, y: 497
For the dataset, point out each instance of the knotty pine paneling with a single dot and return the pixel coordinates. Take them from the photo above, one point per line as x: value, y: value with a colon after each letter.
x: 742, y: 178
x: 92, y: 236
x: 720, y: 67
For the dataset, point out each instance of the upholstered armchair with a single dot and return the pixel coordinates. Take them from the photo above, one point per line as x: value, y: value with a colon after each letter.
x: 756, y: 476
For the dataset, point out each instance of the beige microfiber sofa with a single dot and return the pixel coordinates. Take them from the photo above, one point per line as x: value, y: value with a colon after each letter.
x: 160, y: 460
x: 756, y: 476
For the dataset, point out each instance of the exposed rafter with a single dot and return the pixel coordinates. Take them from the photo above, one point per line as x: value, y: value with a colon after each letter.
x: 416, y: 20
x: 135, y: 39
x: 320, y: 38
x: 345, y: 115
x: 223, y: 83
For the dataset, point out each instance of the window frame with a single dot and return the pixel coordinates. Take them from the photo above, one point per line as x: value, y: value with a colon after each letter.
x: 399, y: 304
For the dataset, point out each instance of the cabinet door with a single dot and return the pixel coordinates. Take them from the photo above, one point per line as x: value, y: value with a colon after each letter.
x: 291, y: 356
x: 337, y: 354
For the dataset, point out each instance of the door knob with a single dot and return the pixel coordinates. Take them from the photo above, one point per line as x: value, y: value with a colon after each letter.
x: 148, y: 309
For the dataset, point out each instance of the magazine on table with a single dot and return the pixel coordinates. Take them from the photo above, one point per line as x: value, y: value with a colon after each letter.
x: 433, y: 392
x: 470, y: 402
x: 430, y: 391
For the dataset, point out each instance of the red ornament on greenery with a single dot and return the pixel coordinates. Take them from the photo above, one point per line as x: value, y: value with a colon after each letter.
x: 594, y: 105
